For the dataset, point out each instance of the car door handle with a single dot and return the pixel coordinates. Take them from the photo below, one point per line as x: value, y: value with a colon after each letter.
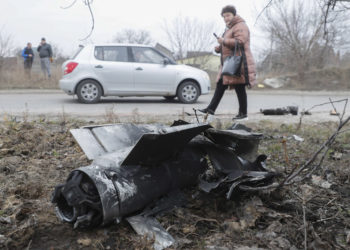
x: 98, y: 66
x: 139, y: 68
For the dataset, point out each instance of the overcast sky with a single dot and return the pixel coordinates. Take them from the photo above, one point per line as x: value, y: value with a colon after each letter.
x: 29, y: 20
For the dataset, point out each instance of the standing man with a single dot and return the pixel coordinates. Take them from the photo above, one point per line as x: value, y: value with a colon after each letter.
x: 45, y: 53
x: 28, y: 55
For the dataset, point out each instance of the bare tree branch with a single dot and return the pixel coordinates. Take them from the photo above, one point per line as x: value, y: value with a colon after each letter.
x: 67, y: 7
x: 263, y: 10
x: 88, y: 2
x: 319, y: 105
x: 328, y: 143
x: 328, y: 5
x: 290, y: 179
x: 335, y: 109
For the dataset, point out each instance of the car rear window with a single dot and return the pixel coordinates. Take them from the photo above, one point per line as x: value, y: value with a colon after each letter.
x: 78, y: 51
x: 111, y: 53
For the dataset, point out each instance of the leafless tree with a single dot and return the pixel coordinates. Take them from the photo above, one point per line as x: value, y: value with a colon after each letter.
x: 297, y: 36
x: 345, y: 60
x: 330, y: 7
x: 6, y: 46
x: 133, y: 36
x: 326, y: 6
x: 58, y: 54
x: 186, y: 34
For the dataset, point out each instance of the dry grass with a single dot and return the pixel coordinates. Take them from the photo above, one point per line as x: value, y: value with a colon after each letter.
x: 16, y: 78
x: 331, y: 78
x: 111, y: 115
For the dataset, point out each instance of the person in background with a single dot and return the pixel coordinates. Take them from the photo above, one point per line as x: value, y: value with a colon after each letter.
x: 45, y: 54
x: 28, y: 55
x: 236, y: 30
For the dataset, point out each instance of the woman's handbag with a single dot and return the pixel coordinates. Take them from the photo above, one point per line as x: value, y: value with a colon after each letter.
x: 232, y: 64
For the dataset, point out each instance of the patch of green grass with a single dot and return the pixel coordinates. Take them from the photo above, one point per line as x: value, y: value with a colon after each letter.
x: 55, y: 153
x: 273, y: 148
x: 288, y: 128
x: 344, y: 139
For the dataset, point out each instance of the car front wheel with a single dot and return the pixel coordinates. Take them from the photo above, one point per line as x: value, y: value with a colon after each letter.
x: 89, y: 91
x: 188, y: 92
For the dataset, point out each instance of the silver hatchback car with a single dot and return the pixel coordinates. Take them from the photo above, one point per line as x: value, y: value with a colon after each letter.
x: 130, y: 70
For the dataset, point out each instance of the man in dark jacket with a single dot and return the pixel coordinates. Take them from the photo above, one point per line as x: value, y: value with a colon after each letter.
x: 45, y: 54
x: 28, y: 55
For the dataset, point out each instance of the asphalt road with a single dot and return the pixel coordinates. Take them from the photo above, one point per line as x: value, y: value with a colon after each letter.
x: 53, y: 102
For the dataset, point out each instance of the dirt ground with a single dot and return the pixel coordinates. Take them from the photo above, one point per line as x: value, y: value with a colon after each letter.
x: 35, y: 156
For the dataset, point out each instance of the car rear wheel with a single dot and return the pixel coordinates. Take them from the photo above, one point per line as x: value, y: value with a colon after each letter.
x: 188, y: 92
x: 89, y: 91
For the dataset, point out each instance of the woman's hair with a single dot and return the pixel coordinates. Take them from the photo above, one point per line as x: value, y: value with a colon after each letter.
x: 229, y: 8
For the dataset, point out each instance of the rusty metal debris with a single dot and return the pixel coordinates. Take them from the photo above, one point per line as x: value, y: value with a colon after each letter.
x: 136, y: 167
x: 281, y: 111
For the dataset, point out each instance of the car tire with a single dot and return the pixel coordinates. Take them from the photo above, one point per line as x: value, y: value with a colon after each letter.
x: 89, y: 91
x: 188, y: 92
x: 169, y: 98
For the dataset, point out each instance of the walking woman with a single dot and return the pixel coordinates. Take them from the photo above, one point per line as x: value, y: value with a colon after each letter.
x: 236, y: 31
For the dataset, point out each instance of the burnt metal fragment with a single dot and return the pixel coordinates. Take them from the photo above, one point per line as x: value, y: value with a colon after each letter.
x: 123, y: 189
x: 281, y: 111
x: 150, y: 227
x: 137, y: 171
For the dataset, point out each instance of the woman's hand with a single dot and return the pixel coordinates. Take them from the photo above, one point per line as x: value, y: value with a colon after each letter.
x: 220, y: 40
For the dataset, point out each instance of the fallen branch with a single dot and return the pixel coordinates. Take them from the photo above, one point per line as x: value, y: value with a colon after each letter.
x: 322, y: 104
x: 344, y: 131
x: 327, y: 144
x: 290, y: 179
x: 305, y: 224
x: 284, y: 144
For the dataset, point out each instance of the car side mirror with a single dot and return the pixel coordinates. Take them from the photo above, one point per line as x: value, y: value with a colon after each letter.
x: 166, y: 61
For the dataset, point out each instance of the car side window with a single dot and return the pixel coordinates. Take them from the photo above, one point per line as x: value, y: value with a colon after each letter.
x: 147, y: 55
x: 111, y: 53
